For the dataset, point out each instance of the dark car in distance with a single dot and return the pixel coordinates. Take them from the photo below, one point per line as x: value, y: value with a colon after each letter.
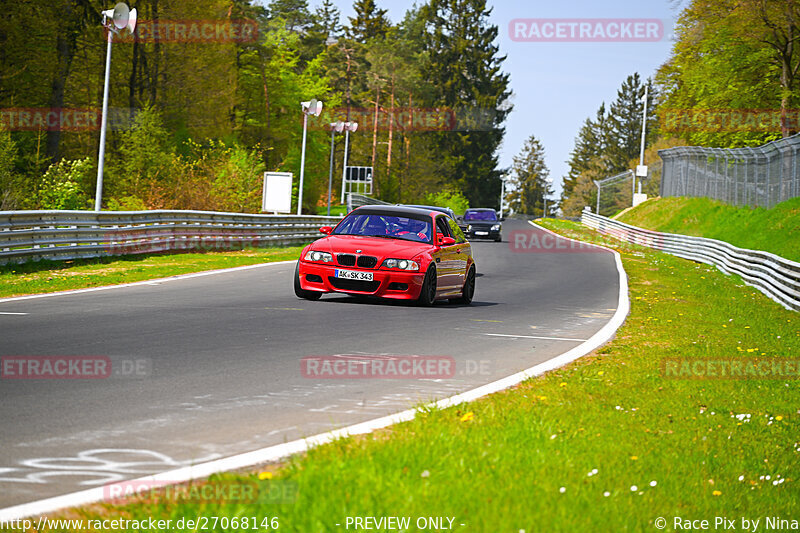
x: 481, y: 223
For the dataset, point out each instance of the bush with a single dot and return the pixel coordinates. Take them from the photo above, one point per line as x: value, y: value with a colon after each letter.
x: 452, y: 198
x: 60, y: 186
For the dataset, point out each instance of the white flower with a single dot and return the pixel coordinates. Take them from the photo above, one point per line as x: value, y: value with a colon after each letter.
x: 425, y: 473
x: 562, y: 490
x: 741, y: 478
x: 606, y: 494
x: 653, y: 483
x: 634, y: 488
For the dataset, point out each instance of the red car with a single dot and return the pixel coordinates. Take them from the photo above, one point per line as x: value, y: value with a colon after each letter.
x: 396, y: 252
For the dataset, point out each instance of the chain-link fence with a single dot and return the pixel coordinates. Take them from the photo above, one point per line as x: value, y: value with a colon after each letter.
x: 763, y: 176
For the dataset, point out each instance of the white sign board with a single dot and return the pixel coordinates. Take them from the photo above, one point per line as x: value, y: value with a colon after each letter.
x: 277, y: 197
x: 641, y: 171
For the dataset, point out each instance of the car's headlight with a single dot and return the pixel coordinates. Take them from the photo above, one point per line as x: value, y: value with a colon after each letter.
x: 496, y: 227
x: 323, y: 257
x: 401, y: 264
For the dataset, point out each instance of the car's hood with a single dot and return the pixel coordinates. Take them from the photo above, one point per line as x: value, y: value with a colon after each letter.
x: 379, y: 247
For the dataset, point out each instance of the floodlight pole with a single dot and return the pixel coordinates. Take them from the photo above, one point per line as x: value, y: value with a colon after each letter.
x: 330, y: 173
x: 597, y: 210
x: 344, y: 164
x: 502, y: 195
x: 98, y: 199
x: 335, y: 126
x: 644, y: 129
x: 302, y: 165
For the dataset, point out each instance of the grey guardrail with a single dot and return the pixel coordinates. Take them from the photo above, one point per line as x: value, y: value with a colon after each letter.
x: 31, y: 235
x: 775, y: 276
x: 357, y: 200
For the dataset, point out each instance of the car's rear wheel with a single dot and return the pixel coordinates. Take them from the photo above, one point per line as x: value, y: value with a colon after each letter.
x: 428, y: 293
x: 299, y: 291
x: 469, y: 288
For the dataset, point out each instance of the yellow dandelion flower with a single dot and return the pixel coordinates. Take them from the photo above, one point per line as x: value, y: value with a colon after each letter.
x: 717, y: 493
x: 264, y: 475
x: 600, y: 373
x: 467, y: 417
x: 562, y: 384
x: 634, y: 457
x: 779, y: 418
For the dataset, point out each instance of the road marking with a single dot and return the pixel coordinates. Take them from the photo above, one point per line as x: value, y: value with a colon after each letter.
x: 535, y: 337
x: 280, y: 451
x: 6, y: 313
x: 284, y: 309
x: 479, y: 320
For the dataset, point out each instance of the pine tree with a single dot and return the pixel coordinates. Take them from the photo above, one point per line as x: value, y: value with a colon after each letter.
x: 465, y: 68
x: 327, y: 19
x: 528, y: 186
x: 625, y: 122
x: 370, y: 22
x: 294, y: 12
x: 589, y: 144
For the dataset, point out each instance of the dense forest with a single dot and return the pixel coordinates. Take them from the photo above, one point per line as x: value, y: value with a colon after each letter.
x: 732, y: 80
x: 205, y: 96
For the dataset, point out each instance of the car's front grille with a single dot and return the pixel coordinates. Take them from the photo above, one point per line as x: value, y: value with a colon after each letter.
x: 367, y: 261
x: 347, y: 260
x: 364, y: 261
x: 354, y: 285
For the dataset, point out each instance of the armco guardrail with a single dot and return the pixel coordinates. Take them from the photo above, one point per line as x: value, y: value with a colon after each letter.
x: 26, y: 235
x: 357, y: 200
x: 773, y: 275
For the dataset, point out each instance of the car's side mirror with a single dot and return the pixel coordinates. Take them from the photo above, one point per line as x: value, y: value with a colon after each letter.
x: 448, y: 241
x: 326, y: 230
x: 502, y: 219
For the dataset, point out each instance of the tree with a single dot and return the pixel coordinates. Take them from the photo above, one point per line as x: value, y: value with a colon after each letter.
x: 528, y: 186
x: 294, y: 13
x: 369, y: 23
x: 464, y: 64
x: 625, y: 122
x: 590, y: 143
x: 733, y: 55
x: 327, y: 19
x: 8, y: 156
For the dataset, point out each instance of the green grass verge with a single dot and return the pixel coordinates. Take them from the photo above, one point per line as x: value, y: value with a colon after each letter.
x: 605, y: 444
x: 37, y: 277
x: 336, y: 210
x: 775, y: 230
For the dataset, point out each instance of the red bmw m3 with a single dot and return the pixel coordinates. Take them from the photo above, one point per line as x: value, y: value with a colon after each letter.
x: 398, y: 252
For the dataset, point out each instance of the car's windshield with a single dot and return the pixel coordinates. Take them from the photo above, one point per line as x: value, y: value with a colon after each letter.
x: 480, y: 215
x: 384, y: 225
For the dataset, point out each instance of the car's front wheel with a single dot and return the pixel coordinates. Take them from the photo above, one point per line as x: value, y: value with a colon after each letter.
x: 299, y: 291
x: 469, y: 288
x: 428, y: 293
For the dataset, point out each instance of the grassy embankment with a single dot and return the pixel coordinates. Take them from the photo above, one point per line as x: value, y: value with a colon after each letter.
x: 775, y: 230
x: 608, y: 443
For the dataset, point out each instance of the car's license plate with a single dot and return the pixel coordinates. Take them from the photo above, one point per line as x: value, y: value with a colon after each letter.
x: 481, y: 233
x: 354, y: 274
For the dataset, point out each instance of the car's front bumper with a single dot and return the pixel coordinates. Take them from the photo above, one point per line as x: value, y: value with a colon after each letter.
x: 484, y: 234
x: 398, y: 284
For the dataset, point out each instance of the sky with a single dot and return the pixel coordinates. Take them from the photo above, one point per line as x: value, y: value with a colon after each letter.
x: 558, y: 85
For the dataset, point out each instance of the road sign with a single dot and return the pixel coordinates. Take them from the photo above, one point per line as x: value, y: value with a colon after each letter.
x: 277, y: 195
